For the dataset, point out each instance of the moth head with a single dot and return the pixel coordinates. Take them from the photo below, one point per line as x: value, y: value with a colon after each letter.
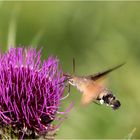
x: 71, y: 79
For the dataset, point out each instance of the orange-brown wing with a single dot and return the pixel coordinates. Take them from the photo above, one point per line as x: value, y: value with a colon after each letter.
x: 91, y: 92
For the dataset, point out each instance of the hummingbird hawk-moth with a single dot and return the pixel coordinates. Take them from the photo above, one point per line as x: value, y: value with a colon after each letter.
x: 93, y: 88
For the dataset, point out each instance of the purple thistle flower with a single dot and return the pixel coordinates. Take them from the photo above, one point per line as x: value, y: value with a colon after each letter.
x: 30, y: 92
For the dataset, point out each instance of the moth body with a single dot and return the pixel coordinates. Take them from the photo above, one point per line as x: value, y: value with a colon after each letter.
x: 93, y: 88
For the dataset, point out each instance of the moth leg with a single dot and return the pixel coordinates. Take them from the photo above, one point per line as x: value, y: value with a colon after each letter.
x: 95, y: 102
x: 68, y: 88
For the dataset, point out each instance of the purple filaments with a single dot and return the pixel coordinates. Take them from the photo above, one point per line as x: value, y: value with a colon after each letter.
x: 30, y: 91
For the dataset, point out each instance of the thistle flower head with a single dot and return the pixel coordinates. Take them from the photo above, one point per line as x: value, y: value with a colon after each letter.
x: 30, y: 92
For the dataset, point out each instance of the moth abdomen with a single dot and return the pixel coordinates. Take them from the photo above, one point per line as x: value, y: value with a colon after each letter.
x: 110, y: 100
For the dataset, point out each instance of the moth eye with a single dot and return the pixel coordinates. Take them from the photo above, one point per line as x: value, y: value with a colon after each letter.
x: 71, y: 81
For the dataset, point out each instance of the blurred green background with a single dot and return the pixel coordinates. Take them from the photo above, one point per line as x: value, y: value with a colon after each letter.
x: 98, y: 35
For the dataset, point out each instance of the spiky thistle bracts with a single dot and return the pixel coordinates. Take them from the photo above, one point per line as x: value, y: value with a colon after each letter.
x: 30, y: 92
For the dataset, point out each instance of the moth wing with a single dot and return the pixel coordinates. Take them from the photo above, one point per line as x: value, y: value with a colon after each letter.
x: 100, y: 78
x: 91, y: 92
x: 102, y: 82
x: 96, y: 84
x: 101, y: 75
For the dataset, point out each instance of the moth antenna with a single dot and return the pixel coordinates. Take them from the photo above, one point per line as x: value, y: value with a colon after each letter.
x: 73, y: 63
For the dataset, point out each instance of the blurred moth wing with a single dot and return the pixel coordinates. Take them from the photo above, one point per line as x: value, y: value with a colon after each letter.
x: 92, y: 90
x: 95, y: 85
